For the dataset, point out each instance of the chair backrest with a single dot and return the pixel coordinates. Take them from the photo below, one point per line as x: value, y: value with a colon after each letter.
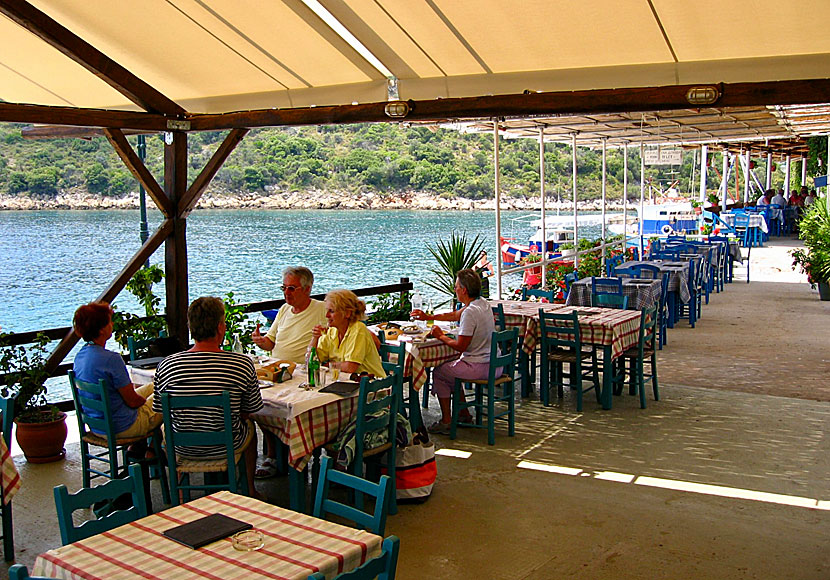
x: 559, y: 331
x: 374, y: 521
x: 393, y: 359
x: 21, y: 572
x: 92, y: 408
x: 498, y: 316
x: 646, y: 271
x: 606, y: 285
x: 377, y: 404
x: 664, y: 292
x: 648, y: 322
x: 675, y: 238
x: 181, y: 417
x: 620, y: 272
x: 503, y: 347
x: 547, y: 294
x: 570, y: 279
x: 741, y: 221
x: 613, y: 262
x: 673, y: 255
x: 610, y: 301
x: 136, y: 347
x: 7, y: 410
x: 382, y: 567
x: 66, y: 503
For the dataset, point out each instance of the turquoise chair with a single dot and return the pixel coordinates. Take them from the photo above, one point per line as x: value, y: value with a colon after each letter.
x: 569, y: 280
x: 393, y: 359
x: 21, y: 572
x: 92, y: 409
x: 66, y: 503
x: 549, y: 295
x: 374, y: 521
x: 502, y: 358
x: 561, y: 343
x: 523, y: 366
x: 7, y: 411
x: 610, y: 301
x: 382, y: 567
x: 233, y: 464
x: 644, y: 352
x: 137, y: 347
x: 663, y: 314
x: 612, y: 263
x: 498, y: 316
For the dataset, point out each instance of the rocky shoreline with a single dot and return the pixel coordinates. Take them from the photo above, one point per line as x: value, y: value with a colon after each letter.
x: 311, y: 199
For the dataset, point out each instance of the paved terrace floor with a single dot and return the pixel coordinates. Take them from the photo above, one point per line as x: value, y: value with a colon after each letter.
x: 727, y: 476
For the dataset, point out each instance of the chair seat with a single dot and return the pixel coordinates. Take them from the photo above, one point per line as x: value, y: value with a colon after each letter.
x: 187, y: 465
x: 568, y: 355
x: 499, y: 381
x: 101, y: 441
x: 634, y: 353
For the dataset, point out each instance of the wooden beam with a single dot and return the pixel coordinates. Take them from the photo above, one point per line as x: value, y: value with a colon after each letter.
x: 191, y: 198
x: 175, y: 250
x: 139, y: 170
x: 74, y: 116
x: 35, y: 132
x: 89, y: 57
x: 592, y: 101
x: 108, y: 295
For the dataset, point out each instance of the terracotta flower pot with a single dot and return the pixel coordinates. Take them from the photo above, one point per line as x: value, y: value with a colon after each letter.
x: 43, y: 442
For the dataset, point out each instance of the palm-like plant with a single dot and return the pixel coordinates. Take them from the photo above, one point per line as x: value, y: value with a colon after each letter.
x: 814, y: 229
x: 456, y: 254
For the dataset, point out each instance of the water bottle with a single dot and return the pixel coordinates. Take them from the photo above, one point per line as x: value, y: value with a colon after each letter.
x: 313, y: 365
x: 418, y: 304
x: 430, y: 314
x: 237, y: 344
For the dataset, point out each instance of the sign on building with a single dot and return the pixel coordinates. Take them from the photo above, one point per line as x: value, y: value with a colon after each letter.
x: 663, y: 156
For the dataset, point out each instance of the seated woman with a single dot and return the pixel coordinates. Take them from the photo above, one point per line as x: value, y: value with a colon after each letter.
x: 132, y: 409
x: 475, y: 333
x: 347, y: 344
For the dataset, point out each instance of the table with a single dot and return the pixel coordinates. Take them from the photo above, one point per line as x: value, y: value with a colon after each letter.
x: 641, y: 293
x: 678, y: 275
x: 296, y: 545
x: 755, y: 221
x: 9, y: 477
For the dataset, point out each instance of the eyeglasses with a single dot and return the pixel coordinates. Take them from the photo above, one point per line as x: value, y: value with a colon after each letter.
x: 290, y: 288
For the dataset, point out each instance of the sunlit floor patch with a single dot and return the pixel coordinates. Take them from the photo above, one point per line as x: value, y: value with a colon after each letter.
x: 680, y: 485
x: 453, y: 453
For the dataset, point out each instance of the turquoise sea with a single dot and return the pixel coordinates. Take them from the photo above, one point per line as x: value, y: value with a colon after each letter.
x: 53, y: 261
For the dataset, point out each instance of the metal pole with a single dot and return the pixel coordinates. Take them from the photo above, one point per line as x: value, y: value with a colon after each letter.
x: 746, y: 178
x: 787, y: 178
x: 724, y: 180
x: 573, y: 184
x: 604, y: 179
x: 542, y: 194
x: 642, y: 197
x: 769, y: 171
x: 625, y: 195
x: 704, y: 162
x: 143, y: 229
x: 496, y: 171
x: 803, y: 171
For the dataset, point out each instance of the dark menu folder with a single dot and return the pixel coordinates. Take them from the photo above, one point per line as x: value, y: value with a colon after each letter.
x: 206, y: 530
x: 341, y: 388
x: 146, y: 363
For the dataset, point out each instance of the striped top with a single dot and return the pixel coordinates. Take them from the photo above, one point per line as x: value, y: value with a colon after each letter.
x: 209, y: 373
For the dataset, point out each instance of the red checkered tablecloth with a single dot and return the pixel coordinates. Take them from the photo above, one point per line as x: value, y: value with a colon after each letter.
x: 420, y: 356
x: 295, y: 545
x: 9, y: 477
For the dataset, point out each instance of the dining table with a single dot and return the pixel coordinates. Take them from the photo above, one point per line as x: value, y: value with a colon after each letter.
x: 641, y: 293
x: 293, y: 546
x: 9, y: 476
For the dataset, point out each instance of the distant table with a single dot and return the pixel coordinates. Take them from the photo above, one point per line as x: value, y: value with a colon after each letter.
x: 295, y: 545
x: 641, y: 293
x: 755, y: 221
x: 9, y: 477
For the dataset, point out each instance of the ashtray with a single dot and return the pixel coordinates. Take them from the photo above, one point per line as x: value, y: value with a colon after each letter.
x: 248, y: 540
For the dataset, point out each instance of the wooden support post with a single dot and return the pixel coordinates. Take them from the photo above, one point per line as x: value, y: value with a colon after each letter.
x: 175, y: 250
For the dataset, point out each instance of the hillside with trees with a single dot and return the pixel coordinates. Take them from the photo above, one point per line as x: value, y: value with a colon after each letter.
x: 384, y: 158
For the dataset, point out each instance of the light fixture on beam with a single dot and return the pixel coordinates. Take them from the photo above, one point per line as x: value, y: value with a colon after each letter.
x: 703, y: 95
x: 396, y: 109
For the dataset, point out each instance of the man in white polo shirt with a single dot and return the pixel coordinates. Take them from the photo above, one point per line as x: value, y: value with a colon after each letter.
x: 289, y: 335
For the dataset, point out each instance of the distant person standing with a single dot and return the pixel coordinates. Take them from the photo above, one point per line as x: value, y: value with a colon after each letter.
x: 810, y: 199
x: 485, y: 270
x: 765, y: 199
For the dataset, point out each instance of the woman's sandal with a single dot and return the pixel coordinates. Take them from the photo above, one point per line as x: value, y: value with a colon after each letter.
x: 267, y: 470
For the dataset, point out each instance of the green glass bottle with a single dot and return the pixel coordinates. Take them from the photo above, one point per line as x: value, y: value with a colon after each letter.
x: 313, y: 366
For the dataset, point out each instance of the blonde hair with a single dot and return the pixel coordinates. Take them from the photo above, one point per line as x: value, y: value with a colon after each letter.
x: 347, y: 302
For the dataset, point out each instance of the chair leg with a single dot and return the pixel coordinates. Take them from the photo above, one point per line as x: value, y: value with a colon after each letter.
x: 511, y: 408
x: 425, y: 402
x: 654, y: 377
x: 491, y: 414
x: 576, y: 379
x: 8, y: 533
x: 641, y: 382
x: 544, y: 380
x: 85, y: 462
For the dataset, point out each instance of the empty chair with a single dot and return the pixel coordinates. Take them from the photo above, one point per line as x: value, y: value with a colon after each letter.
x: 548, y: 295
x: 629, y: 272
x: 374, y: 521
x: 612, y: 262
x: 561, y: 343
x: 606, y: 285
x: 21, y: 572
x: 502, y: 358
x: 7, y: 410
x: 569, y: 280
x: 66, y: 503
x: 663, y: 313
x: 138, y: 348
x: 610, y: 301
x: 646, y: 271
x: 607, y: 292
x: 382, y: 567
x: 178, y: 435
x: 644, y: 352
x: 393, y: 359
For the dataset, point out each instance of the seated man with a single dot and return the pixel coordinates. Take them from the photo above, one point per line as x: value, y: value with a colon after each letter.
x: 206, y: 369
x: 288, y: 338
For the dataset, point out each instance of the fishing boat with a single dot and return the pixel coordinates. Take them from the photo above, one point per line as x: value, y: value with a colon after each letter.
x: 660, y: 219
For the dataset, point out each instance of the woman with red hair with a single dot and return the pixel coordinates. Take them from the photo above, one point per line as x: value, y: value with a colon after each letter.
x: 132, y: 409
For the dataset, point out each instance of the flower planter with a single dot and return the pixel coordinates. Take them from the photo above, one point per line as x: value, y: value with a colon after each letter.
x: 43, y: 442
x: 824, y: 290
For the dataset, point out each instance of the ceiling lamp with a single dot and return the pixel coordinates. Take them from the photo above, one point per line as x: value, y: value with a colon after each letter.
x: 396, y: 109
x: 705, y: 95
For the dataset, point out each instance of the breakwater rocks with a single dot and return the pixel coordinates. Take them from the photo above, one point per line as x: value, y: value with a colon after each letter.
x: 310, y: 199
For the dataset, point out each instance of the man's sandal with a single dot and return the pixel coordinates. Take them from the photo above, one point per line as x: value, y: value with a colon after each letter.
x: 267, y: 469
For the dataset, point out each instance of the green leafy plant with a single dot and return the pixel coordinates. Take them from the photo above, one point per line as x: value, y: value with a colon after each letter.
x: 237, y: 323
x: 25, y: 376
x: 390, y: 306
x: 127, y: 324
x: 456, y: 254
x: 814, y: 258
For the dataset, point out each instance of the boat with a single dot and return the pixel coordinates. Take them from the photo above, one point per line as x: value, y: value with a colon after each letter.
x: 661, y: 219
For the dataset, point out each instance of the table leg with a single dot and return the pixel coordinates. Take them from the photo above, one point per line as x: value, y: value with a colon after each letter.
x: 607, y: 377
x: 296, y: 490
x: 415, y: 417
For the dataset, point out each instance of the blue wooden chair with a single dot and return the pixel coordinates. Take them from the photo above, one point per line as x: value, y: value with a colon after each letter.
x: 569, y: 280
x: 374, y: 521
x: 21, y: 572
x: 110, y: 492
x: 612, y: 263
x: 561, y: 343
x: 610, y: 301
x: 549, y: 295
x: 503, y: 348
x: 620, y: 272
x: 233, y: 462
x: 663, y: 313
x: 498, y: 316
x: 393, y: 359
x: 92, y: 409
x: 644, y: 352
x: 383, y: 567
x: 7, y: 411
x: 137, y: 347
x: 693, y: 308
x: 646, y: 271
x: 607, y: 292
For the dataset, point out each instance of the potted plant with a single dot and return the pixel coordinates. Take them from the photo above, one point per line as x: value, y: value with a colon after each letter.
x: 814, y: 258
x: 452, y: 256
x: 41, y: 428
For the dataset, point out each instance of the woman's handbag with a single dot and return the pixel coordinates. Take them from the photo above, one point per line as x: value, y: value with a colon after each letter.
x: 415, y: 469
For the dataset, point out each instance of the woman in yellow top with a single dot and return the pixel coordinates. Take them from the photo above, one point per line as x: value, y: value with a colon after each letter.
x: 347, y: 344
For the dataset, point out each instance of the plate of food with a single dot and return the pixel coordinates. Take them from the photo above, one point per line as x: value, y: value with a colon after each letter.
x: 412, y: 329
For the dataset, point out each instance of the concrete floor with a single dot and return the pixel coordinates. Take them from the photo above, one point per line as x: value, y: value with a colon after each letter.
x: 727, y: 476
